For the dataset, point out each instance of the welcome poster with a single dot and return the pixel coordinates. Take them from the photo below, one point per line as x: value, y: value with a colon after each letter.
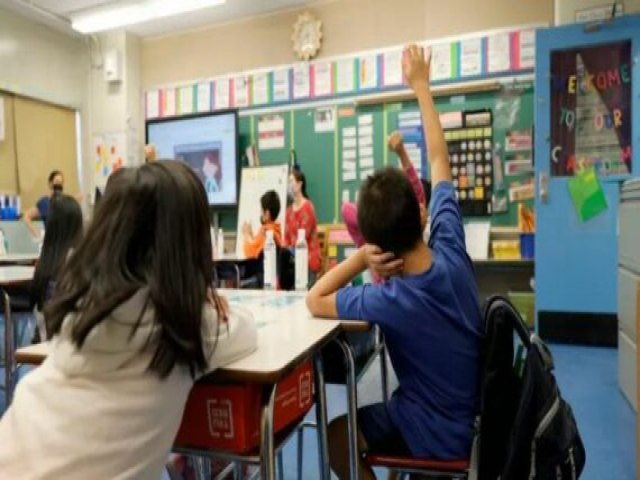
x: 591, y: 110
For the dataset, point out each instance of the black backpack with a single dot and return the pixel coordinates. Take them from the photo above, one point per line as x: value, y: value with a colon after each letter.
x: 527, y: 431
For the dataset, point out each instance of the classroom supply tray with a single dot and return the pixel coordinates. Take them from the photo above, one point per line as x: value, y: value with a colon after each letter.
x: 227, y: 417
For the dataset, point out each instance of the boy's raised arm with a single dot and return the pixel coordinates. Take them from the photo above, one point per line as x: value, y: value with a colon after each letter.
x: 416, y: 71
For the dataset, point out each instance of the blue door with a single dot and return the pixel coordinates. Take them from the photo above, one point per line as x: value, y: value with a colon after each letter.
x: 586, y: 86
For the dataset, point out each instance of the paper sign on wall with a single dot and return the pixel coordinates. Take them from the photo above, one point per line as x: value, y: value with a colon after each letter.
x: 368, y: 72
x: 260, y: 88
x: 109, y: 153
x: 325, y: 119
x: 441, y: 64
x: 281, y: 87
x: 203, y: 97
x: 169, y: 107
x: 186, y: 100
x: 271, y: 132
x: 301, y: 81
x: 345, y: 75
x: 221, y: 96
x: 470, y: 57
x: 241, y: 91
x: 322, y: 79
x: 527, y: 45
x: 498, y: 53
x: 392, y: 68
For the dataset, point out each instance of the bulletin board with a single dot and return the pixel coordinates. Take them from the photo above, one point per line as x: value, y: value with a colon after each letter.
x: 321, y: 154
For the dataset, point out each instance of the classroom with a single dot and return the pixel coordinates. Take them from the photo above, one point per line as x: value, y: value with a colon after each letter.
x: 315, y: 239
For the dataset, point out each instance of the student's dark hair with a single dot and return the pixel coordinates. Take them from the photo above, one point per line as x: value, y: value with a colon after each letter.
x: 426, y: 187
x: 271, y: 203
x: 300, y: 177
x: 388, y: 211
x: 54, y: 174
x: 62, y: 232
x: 151, y: 230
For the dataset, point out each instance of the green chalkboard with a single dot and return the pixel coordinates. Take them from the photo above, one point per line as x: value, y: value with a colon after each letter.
x: 320, y: 154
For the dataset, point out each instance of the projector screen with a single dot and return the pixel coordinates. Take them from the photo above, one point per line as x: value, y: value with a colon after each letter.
x: 208, y: 144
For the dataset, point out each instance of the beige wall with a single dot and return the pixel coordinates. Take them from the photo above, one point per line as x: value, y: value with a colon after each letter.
x: 349, y: 25
x: 565, y: 10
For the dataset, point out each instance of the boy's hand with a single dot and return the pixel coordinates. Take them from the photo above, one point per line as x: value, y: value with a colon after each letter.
x: 246, y: 229
x: 396, y: 144
x: 382, y: 263
x: 415, y: 67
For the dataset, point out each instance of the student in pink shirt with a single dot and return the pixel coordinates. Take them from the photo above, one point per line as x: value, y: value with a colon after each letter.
x: 386, y: 265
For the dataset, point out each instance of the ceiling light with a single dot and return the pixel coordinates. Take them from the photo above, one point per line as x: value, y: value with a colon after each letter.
x: 124, y: 15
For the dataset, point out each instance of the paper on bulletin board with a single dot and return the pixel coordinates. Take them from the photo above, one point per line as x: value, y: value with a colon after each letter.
x: 203, y: 97
x: 153, y: 104
x: 241, y: 95
x: 587, y: 195
x: 271, y: 132
x: 345, y: 75
x: 368, y: 72
x: 109, y: 153
x: 346, y: 196
x: 301, y: 81
x: 392, y: 69
x: 470, y: 57
x: 186, y: 100
x: 322, y: 79
x: 281, y: 87
x: 441, y: 64
x: 2, y: 120
x: 498, y: 53
x: 324, y: 119
x: 221, y: 96
x: 169, y: 97
x: 260, y: 88
x: 521, y: 191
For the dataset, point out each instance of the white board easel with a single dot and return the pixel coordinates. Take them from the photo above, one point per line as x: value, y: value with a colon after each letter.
x: 255, y: 182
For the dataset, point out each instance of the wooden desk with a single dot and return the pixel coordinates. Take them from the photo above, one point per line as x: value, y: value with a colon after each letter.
x: 19, y: 259
x: 287, y: 336
x: 11, y: 276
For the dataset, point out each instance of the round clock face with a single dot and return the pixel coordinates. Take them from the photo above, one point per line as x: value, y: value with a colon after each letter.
x: 307, y: 36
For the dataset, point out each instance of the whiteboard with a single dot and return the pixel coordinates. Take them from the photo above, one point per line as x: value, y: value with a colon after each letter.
x: 255, y: 182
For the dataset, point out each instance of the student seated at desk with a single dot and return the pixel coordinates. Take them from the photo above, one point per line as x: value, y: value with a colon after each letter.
x: 254, y: 244
x: 135, y: 321
x: 430, y: 314
x: 63, y: 231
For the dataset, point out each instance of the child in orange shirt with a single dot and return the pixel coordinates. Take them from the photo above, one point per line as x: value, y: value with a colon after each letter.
x: 254, y: 244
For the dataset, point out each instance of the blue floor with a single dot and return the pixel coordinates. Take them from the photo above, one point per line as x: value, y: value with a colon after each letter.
x: 588, y: 381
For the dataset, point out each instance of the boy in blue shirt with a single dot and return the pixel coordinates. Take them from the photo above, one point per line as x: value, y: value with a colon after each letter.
x: 430, y: 314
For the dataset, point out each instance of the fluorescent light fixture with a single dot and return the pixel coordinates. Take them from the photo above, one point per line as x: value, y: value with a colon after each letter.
x: 110, y: 18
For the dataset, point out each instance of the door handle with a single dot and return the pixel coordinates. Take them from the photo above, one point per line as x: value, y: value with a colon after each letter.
x: 543, y: 186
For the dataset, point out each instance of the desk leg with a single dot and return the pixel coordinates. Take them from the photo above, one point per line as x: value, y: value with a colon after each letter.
x: 352, y: 408
x: 321, y: 420
x: 267, y: 435
x: 384, y: 371
x: 9, y: 355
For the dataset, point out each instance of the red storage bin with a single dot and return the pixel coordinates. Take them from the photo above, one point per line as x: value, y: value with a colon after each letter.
x: 227, y: 417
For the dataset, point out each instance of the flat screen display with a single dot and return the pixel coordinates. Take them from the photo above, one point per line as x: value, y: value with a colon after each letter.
x: 208, y: 144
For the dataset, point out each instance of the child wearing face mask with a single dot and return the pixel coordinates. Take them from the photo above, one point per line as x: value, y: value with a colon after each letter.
x: 254, y: 244
x: 302, y: 215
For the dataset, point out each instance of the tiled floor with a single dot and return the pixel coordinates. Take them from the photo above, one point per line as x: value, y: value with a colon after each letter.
x: 588, y: 380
